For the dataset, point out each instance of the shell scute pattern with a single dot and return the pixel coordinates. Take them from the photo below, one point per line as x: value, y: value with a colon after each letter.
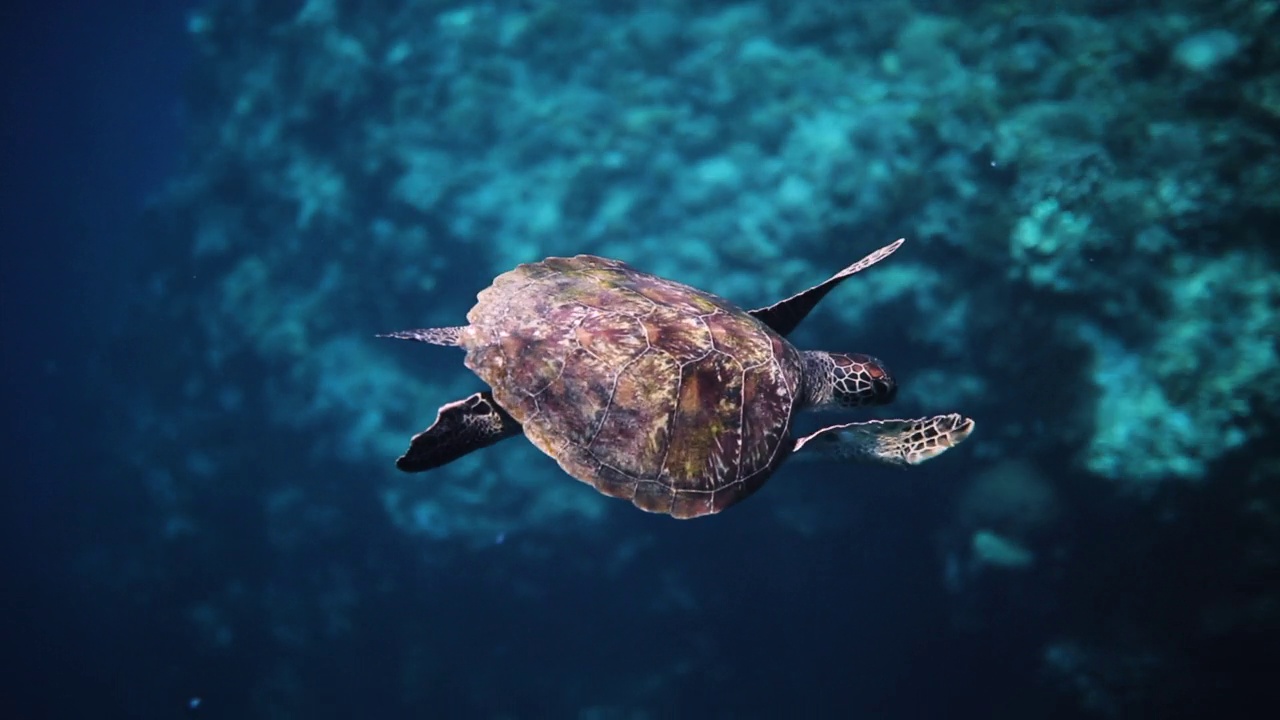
x: 769, y: 398
x: 608, y: 335
x: 684, y: 337
x: 653, y: 391
x: 678, y: 298
x: 639, y: 424
x: 573, y: 407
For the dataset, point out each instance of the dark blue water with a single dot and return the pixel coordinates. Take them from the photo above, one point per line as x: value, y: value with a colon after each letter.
x: 92, y: 129
x: 209, y: 210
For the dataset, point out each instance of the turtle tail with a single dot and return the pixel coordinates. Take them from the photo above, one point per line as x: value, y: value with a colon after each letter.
x: 436, y: 336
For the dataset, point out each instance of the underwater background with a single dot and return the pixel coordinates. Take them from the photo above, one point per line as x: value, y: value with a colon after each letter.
x: 211, y: 208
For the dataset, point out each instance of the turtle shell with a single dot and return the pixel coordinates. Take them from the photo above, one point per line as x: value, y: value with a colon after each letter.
x: 647, y: 389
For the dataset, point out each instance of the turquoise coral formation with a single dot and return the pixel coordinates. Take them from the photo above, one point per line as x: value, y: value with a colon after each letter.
x: 748, y: 153
x: 745, y: 152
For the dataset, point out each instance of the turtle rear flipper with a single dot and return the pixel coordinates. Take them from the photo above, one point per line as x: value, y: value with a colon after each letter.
x: 460, y: 427
x: 435, y: 336
x: 783, y: 317
x: 892, y: 442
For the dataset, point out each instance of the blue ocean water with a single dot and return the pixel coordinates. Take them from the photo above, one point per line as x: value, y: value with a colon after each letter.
x: 211, y: 209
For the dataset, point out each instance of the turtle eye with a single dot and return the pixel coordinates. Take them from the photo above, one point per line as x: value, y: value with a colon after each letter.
x: 885, y: 389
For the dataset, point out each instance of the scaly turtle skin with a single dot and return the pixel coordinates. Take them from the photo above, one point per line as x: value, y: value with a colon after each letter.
x: 657, y: 392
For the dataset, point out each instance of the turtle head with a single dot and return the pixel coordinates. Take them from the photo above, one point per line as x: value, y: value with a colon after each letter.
x: 835, y: 380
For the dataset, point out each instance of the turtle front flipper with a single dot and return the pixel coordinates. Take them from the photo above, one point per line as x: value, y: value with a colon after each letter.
x: 783, y: 317
x: 892, y: 442
x: 460, y: 427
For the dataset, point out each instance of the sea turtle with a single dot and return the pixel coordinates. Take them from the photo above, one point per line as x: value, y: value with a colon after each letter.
x: 656, y: 392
